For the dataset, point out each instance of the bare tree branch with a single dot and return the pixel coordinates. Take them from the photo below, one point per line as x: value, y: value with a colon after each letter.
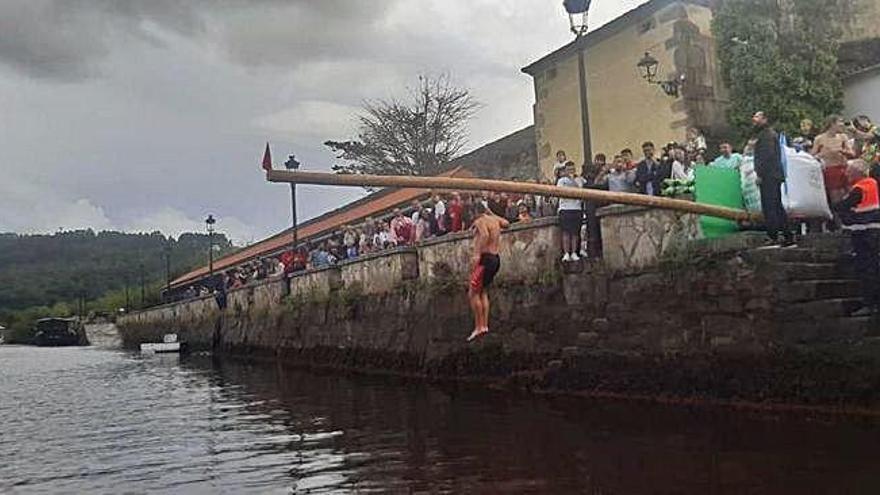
x: 418, y: 136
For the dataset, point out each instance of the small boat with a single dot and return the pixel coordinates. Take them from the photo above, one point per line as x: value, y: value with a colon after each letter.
x: 169, y: 345
x: 56, y: 332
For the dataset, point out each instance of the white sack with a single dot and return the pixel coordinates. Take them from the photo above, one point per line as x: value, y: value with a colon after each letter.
x: 803, y: 193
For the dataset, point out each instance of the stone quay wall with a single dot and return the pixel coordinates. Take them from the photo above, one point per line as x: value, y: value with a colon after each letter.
x: 664, y: 315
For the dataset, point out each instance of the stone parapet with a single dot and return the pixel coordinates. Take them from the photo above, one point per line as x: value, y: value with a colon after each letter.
x: 528, y: 252
x: 381, y: 272
x: 635, y: 237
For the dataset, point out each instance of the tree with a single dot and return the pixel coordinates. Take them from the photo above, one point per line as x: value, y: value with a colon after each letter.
x: 416, y: 136
x: 779, y: 56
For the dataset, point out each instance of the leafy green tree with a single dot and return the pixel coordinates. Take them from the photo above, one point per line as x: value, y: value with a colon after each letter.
x: 42, y: 270
x: 779, y: 56
x: 47, y: 275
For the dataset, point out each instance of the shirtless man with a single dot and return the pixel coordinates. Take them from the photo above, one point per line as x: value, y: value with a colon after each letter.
x: 486, y: 263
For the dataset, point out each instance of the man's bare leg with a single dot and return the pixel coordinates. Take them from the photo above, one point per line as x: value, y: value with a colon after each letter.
x: 485, y: 307
x: 477, y: 308
x: 479, y: 312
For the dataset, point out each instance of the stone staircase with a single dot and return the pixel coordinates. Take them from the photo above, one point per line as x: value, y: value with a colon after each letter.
x: 817, y: 288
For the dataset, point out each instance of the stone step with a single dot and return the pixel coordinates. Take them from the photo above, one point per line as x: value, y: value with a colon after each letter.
x: 806, y: 271
x: 815, y: 290
x: 775, y: 254
x: 829, y: 329
x: 822, y: 309
x: 825, y: 242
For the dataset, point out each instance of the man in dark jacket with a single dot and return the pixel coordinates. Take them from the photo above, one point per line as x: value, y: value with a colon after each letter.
x: 768, y: 167
x: 650, y: 173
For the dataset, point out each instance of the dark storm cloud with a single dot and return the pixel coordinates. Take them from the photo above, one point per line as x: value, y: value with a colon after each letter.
x: 68, y: 39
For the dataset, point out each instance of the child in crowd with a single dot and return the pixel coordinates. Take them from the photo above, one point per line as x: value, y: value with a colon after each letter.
x: 523, y: 213
x: 440, y: 215
x: 423, y: 226
x: 570, y: 215
x: 351, y: 241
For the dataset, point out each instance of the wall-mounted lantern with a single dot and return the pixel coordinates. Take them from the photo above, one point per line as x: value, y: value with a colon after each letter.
x: 649, y: 66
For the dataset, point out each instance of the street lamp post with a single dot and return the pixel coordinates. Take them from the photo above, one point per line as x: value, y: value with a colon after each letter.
x: 578, y: 13
x: 143, y: 285
x: 209, y: 223
x: 168, y: 269
x: 292, y: 164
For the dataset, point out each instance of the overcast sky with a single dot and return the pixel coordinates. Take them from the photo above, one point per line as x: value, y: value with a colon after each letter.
x: 144, y: 115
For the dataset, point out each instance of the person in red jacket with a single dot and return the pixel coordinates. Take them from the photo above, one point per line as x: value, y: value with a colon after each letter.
x: 455, y: 211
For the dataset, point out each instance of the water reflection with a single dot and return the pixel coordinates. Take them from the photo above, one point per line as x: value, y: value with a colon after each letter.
x: 89, y: 421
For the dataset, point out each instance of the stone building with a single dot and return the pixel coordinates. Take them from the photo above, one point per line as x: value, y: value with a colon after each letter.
x: 621, y: 109
x: 860, y: 57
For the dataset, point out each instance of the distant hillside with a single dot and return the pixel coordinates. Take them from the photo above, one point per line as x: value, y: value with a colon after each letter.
x: 43, y: 270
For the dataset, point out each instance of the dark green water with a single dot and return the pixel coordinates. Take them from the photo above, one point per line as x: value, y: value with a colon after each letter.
x: 97, y: 421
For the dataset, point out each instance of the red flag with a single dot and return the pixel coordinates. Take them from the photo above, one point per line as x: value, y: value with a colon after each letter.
x: 267, y: 159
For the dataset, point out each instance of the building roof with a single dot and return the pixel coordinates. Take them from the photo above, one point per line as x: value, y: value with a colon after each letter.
x: 858, y: 57
x: 610, y: 29
x: 481, y: 160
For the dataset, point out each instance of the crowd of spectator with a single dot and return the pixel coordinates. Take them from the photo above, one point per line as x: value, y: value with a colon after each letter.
x: 437, y: 216
x: 837, y: 146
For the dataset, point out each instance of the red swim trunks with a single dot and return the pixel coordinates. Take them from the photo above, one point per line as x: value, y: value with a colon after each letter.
x: 484, y: 273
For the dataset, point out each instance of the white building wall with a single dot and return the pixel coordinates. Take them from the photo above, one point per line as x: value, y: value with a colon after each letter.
x: 861, y: 94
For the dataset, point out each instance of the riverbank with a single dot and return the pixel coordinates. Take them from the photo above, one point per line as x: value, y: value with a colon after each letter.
x: 663, y: 316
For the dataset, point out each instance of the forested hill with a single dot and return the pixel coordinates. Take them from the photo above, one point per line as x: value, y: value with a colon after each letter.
x: 42, y: 270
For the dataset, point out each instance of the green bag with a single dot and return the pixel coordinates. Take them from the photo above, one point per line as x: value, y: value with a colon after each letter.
x: 721, y: 187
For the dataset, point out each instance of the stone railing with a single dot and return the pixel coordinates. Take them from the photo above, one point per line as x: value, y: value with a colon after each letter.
x: 634, y: 237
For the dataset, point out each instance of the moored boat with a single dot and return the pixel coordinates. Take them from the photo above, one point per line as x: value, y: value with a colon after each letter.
x: 57, y: 332
x: 169, y: 345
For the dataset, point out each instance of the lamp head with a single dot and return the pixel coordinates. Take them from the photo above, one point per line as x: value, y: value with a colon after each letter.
x: 648, y: 67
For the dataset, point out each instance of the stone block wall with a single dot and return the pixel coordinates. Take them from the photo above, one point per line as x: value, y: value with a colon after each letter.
x: 635, y: 237
x: 528, y: 252
x: 316, y: 283
x: 381, y: 272
x: 717, y: 319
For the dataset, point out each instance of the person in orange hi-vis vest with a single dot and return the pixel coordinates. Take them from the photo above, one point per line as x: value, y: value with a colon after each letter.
x: 860, y: 213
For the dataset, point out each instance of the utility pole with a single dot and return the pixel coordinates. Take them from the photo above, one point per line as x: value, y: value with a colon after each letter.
x: 127, y: 298
x: 168, y: 269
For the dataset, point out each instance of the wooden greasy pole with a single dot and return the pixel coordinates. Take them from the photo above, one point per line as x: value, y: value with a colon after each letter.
x: 461, y: 184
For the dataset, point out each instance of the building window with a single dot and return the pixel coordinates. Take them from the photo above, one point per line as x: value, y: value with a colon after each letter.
x: 647, y: 25
x: 551, y: 74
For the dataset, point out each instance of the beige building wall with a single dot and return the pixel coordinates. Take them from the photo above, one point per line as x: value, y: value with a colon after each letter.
x: 861, y: 19
x: 558, y: 115
x: 624, y: 109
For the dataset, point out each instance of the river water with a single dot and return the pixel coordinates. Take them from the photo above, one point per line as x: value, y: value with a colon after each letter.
x: 87, y: 420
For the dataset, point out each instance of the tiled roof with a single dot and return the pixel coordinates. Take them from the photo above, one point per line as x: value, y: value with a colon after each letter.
x: 857, y: 57
x: 355, y: 212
